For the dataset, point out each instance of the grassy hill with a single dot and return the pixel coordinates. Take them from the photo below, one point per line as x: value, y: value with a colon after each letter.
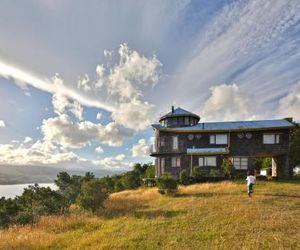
x: 202, y: 216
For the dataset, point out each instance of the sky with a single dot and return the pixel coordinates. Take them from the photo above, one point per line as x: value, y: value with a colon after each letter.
x: 81, y: 82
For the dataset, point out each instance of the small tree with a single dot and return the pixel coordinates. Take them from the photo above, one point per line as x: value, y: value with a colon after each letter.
x: 150, y: 172
x: 183, y: 177
x: 228, y: 168
x: 92, y: 195
x: 167, y: 184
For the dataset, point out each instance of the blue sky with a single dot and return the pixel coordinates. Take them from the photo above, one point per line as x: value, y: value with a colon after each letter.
x: 81, y: 81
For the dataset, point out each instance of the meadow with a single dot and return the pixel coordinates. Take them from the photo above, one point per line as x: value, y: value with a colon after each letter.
x: 200, y: 216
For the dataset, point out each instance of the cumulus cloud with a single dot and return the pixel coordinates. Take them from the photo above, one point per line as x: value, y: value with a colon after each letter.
x: 27, y: 139
x: 2, y: 124
x: 63, y: 131
x: 141, y: 149
x: 289, y: 106
x: 113, y: 161
x: 135, y: 115
x: 40, y: 153
x: 98, y: 116
x: 99, y: 150
x: 228, y: 102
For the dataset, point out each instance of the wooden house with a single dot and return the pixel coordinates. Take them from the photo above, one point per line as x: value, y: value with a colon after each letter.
x: 182, y: 142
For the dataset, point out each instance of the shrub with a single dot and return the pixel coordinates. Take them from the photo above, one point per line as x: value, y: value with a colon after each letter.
x: 167, y: 184
x: 131, y: 180
x: 228, y: 168
x: 215, y: 173
x: 92, y: 195
x: 183, y: 177
x: 199, y: 173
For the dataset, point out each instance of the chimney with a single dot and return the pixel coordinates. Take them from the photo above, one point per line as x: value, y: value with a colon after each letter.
x: 172, y: 109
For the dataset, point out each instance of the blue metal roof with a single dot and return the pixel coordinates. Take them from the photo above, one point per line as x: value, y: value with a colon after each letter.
x: 204, y: 151
x: 234, y: 125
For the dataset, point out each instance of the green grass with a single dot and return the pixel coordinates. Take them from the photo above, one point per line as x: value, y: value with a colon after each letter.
x: 202, y: 216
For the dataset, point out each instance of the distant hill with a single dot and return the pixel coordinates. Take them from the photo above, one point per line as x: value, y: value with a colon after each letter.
x: 40, y: 174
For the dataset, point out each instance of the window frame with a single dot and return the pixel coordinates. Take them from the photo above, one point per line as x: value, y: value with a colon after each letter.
x: 176, y: 160
x: 213, y: 139
x: 175, y: 144
x: 275, y: 138
x: 205, y: 162
x: 239, y: 162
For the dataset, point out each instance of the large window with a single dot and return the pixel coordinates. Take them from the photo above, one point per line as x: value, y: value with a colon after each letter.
x: 208, y: 161
x: 175, y: 142
x: 271, y: 138
x: 240, y: 162
x: 176, y: 161
x: 218, y: 139
x: 186, y: 121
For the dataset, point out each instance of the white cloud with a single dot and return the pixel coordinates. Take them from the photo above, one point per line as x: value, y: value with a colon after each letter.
x: 228, y: 102
x: 40, y: 153
x: 98, y: 116
x: 63, y: 131
x: 27, y: 139
x: 113, y: 161
x: 99, y: 150
x: 2, y: 124
x: 118, y: 85
x: 141, y: 149
x: 289, y: 106
x: 136, y: 115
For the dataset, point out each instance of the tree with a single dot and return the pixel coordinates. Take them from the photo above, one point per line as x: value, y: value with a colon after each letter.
x: 150, y: 172
x: 167, y: 184
x: 69, y: 187
x: 183, y: 177
x: 131, y: 180
x: 92, y: 195
x: 228, y: 168
x: 8, y: 210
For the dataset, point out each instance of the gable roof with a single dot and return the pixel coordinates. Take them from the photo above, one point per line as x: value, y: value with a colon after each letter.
x: 179, y: 112
x: 229, y: 126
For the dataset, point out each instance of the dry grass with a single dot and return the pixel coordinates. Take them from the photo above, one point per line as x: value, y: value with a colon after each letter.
x: 202, y: 216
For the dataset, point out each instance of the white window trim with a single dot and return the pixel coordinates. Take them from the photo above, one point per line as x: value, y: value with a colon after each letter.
x: 176, y: 161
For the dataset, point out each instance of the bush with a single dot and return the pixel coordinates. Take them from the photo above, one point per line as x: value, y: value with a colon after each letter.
x: 228, y: 168
x: 183, y: 177
x: 92, y: 195
x: 199, y: 173
x: 167, y: 184
x: 215, y: 173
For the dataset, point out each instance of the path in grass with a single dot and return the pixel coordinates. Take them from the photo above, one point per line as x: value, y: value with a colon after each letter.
x: 202, y: 216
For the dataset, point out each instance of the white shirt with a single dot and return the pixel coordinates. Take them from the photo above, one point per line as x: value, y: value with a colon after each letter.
x: 250, y: 179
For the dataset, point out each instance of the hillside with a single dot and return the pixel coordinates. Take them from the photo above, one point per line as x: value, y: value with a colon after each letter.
x: 202, y: 216
x: 40, y: 174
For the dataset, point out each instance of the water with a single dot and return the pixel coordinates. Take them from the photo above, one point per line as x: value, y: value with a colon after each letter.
x: 11, y: 191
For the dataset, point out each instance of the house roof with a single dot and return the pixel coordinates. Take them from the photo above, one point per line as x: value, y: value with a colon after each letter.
x: 206, y: 151
x: 229, y: 126
x: 179, y: 112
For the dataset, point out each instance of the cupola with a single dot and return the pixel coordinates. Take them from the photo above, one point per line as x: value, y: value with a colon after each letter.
x: 179, y: 118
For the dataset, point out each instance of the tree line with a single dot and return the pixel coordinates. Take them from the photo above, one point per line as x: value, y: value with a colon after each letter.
x: 86, y: 192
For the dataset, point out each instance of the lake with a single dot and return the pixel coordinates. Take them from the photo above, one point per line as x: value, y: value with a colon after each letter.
x: 11, y: 191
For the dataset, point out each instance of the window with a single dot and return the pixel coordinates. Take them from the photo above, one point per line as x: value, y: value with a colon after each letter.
x: 176, y: 161
x: 175, y: 142
x: 208, y: 161
x: 162, y: 141
x: 162, y: 165
x: 271, y: 138
x: 186, y: 121
x: 218, y: 139
x: 240, y: 162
